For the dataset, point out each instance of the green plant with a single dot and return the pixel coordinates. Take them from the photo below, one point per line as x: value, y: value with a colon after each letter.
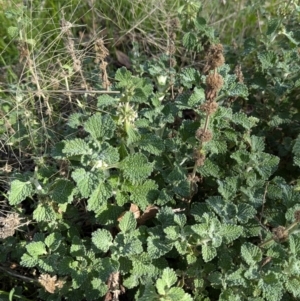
x: 166, y: 188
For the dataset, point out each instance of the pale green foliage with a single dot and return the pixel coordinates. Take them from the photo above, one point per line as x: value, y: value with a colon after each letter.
x: 20, y: 190
x: 121, y: 203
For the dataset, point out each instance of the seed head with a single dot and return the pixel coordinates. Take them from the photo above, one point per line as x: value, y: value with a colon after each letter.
x: 209, y: 107
x: 203, y: 136
x: 214, y: 81
x: 280, y: 234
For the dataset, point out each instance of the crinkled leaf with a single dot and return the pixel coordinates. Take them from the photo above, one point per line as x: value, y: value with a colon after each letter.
x: 19, y: 191
x: 102, y: 239
x: 85, y: 181
x: 100, y: 127
x: 99, y: 196
x: 251, y: 253
x: 44, y: 212
x: 128, y: 222
x: 36, y: 248
x: 136, y: 168
x: 62, y: 191
x: 208, y: 253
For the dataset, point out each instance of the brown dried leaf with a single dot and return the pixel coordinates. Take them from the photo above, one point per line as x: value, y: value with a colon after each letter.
x: 123, y: 59
x: 135, y: 210
x: 149, y: 213
x: 48, y: 282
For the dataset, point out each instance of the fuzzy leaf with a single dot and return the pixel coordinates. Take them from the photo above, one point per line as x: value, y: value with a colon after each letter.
x: 294, y: 242
x: 230, y: 233
x: 19, y: 191
x: 53, y: 241
x: 62, y: 191
x: 293, y: 286
x: 107, y: 267
x: 149, y: 293
x: 169, y: 277
x: 189, y: 77
x: 136, y: 168
x: 208, y: 253
x: 76, y: 147
x: 106, y: 100
x: 99, y: 196
x: 251, y: 253
x: 144, y: 194
x: 85, y: 181
x: 128, y: 222
x: 126, y: 245
x: 157, y: 246
x: 28, y: 261
x: 245, y: 212
x: 244, y: 121
x: 124, y: 77
x: 152, y: 144
x: 100, y: 127
x: 77, y: 248
x: 178, y: 294
x: 44, y: 212
x: 75, y: 120
x: 36, y: 248
x: 102, y: 239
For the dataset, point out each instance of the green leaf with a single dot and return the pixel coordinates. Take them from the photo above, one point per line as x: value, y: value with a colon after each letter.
x: 152, y: 144
x: 12, y: 31
x: 77, y: 248
x: 36, y: 248
x: 180, y: 219
x: 245, y: 212
x: 257, y: 144
x: 230, y: 233
x: 189, y: 77
x: 144, y: 194
x: 136, y: 168
x: 99, y: 196
x: 100, y: 127
x: 62, y: 191
x: 210, y: 168
x: 106, y: 100
x: 267, y: 59
x: 19, y: 191
x: 294, y: 242
x: 85, y: 181
x: 128, y: 222
x: 272, y: 286
x: 296, y: 147
x: 53, y: 241
x: 251, y: 253
x: 126, y: 245
x: 44, y: 212
x: 228, y: 187
x: 244, y: 121
x: 166, y: 217
x: 107, y: 267
x: 148, y: 293
x: 158, y: 247
x: 293, y: 286
x: 169, y: 277
x: 273, y: 25
x: 76, y: 147
x: 102, y: 239
x: 28, y: 261
x: 124, y: 77
x: 189, y: 40
x: 208, y: 253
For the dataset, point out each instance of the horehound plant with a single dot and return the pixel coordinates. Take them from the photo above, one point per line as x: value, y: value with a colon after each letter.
x: 118, y: 208
x: 214, y: 83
